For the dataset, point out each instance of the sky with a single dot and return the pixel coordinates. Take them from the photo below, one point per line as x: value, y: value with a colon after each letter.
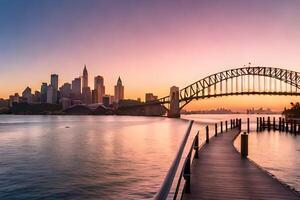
x: 152, y: 45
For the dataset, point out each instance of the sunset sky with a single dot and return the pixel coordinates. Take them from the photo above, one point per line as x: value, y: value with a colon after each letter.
x: 151, y: 44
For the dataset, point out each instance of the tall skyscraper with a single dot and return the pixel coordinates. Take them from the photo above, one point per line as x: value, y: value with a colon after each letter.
x: 100, y: 88
x: 54, y: 84
x: 76, y: 87
x: 119, y: 91
x: 85, y: 78
x: 50, y: 92
x: 44, y: 88
x: 86, y: 91
x: 54, y: 81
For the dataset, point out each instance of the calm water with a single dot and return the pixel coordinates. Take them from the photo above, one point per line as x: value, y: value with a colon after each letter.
x: 108, y: 157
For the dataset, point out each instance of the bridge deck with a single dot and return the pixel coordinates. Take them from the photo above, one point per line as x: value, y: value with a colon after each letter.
x: 220, y: 173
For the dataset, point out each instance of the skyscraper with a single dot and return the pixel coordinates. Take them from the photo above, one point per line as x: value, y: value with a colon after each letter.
x: 100, y: 88
x: 44, y: 88
x: 54, y: 84
x: 50, y: 92
x: 119, y: 91
x: 54, y: 81
x: 85, y: 78
x: 76, y: 87
x: 86, y: 91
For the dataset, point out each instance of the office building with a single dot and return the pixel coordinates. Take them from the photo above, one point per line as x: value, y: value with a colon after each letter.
x: 99, y: 86
x: 119, y: 91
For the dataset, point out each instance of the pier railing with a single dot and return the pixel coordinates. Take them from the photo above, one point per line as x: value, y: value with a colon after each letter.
x: 185, y: 171
x: 282, y: 124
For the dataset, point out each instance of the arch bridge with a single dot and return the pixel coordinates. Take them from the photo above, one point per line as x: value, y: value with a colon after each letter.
x: 239, y: 81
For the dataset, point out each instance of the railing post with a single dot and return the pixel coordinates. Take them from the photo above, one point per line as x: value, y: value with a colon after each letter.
x: 244, y: 145
x: 257, y: 124
x: 226, y: 124
x: 207, y: 135
x: 264, y: 123
x: 221, y: 127
x: 269, y: 123
x: 248, y: 125
x: 274, y: 124
x: 283, y: 123
x: 260, y: 123
x: 231, y: 124
x: 279, y: 127
x: 216, y: 129
x: 187, y: 175
x: 196, y: 146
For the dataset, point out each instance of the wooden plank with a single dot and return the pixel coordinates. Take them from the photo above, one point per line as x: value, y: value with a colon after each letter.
x: 221, y: 173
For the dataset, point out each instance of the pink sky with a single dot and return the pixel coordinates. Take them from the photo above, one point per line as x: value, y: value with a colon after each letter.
x: 152, y: 46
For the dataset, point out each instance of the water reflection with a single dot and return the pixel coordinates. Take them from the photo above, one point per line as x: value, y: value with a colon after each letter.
x: 113, y: 157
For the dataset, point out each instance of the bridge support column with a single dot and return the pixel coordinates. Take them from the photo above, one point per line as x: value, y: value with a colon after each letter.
x: 174, y: 111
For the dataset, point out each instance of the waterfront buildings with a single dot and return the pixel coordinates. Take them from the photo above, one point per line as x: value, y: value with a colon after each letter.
x: 119, y: 91
x: 78, y: 92
x: 150, y: 97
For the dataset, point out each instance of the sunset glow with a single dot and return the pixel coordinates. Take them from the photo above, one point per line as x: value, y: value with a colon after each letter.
x: 152, y: 45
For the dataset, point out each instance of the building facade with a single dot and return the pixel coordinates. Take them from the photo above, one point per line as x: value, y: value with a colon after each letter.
x: 85, y: 78
x: 119, y: 91
x: 99, y: 86
x: 76, y: 87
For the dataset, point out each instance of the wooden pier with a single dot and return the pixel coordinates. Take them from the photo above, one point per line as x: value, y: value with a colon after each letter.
x: 221, y: 173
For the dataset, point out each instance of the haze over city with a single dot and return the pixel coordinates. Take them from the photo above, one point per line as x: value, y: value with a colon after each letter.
x: 153, y: 43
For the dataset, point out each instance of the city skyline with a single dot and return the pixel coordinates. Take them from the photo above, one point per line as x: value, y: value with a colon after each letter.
x: 174, y: 43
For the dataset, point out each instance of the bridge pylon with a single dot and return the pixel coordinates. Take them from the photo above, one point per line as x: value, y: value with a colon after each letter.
x: 174, y: 111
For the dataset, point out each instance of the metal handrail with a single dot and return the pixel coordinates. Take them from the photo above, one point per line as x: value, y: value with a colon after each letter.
x: 168, y: 181
x: 186, y: 169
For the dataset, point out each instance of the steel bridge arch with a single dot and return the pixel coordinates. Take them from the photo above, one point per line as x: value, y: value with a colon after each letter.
x: 196, y: 89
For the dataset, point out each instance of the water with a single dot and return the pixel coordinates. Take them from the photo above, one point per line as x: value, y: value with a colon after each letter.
x: 95, y: 157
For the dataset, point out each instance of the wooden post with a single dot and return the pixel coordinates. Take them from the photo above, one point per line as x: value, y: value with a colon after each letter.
x: 216, y: 129
x: 187, y: 175
x: 287, y: 126
x: 226, y: 123
x: 269, y: 124
x: 221, y: 127
x: 274, y: 124
x: 196, y: 146
x: 260, y: 124
x: 207, y: 135
x: 248, y: 125
x: 279, y: 127
x: 231, y: 124
x: 295, y: 127
x: 257, y: 124
x: 264, y: 124
x: 244, y: 145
